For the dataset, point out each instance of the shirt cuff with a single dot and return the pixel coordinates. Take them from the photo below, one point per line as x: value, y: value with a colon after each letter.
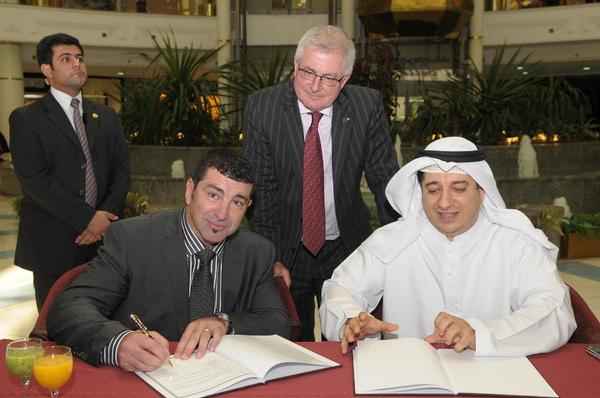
x: 484, y: 345
x: 109, y: 354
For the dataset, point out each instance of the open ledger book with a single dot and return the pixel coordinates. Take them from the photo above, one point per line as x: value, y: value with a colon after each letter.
x: 238, y: 361
x: 413, y: 366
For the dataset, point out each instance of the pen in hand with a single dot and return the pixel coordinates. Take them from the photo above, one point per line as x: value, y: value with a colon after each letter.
x: 136, y: 319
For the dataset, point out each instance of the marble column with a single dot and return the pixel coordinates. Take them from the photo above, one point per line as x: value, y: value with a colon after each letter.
x: 348, y: 18
x: 224, y: 37
x: 476, y: 35
x: 11, y: 83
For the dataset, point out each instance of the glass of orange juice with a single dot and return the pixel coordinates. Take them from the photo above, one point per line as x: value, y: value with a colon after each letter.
x: 53, y: 368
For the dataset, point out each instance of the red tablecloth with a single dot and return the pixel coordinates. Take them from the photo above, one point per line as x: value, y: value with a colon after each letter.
x: 570, y: 371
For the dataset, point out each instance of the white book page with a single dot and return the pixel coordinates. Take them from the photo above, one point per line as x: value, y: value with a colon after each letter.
x: 268, y: 357
x: 197, y: 377
x: 494, y: 375
x: 398, y: 365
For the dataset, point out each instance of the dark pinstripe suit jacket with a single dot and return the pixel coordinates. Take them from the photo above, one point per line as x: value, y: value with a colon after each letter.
x: 274, y: 143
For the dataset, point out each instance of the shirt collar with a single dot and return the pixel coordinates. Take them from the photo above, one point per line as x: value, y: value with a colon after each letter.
x: 64, y: 99
x: 325, y: 111
x: 191, y: 241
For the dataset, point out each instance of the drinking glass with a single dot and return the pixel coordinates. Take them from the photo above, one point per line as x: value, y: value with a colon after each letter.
x: 20, y: 355
x: 53, y: 368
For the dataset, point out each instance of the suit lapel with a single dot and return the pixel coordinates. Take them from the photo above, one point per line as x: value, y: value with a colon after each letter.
x: 58, y: 117
x: 341, y: 128
x: 177, y: 270
x: 293, y: 126
x: 232, y: 272
x: 92, y: 119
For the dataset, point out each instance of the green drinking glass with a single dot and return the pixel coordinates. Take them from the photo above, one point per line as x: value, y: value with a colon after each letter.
x: 20, y: 355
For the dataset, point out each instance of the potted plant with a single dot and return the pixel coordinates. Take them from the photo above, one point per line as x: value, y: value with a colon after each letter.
x: 503, y: 100
x: 136, y: 204
x: 241, y: 78
x: 581, y: 237
x: 178, y: 104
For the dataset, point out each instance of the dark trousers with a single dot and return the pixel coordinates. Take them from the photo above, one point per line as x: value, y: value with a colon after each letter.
x: 308, y: 274
x: 42, y: 283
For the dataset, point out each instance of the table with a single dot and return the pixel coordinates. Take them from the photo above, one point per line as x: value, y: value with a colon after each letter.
x: 569, y: 370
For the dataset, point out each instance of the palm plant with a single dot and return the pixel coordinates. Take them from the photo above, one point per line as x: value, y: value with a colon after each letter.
x: 241, y: 78
x: 501, y: 95
x: 561, y: 108
x: 381, y: 69
x: 143, y: 114
x: 504, y: 100
x: 245, y: 77
x: 448, y: 110
x: 177, y: 105
x: 477, y: 105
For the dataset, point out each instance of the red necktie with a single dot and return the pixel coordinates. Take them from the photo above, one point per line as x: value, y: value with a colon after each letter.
x: 313, y: 202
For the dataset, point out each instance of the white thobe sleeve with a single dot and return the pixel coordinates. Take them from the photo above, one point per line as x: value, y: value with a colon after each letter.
x: 356, y: 285
x: 542, y: 318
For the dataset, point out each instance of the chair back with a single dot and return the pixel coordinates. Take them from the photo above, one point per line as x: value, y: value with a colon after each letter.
x: 588, y: 326
x: 288, y: 301
x: 39, y: 329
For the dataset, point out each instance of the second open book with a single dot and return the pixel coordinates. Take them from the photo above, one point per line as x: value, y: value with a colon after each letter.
x: 238, y: 361
x: 413, y: 366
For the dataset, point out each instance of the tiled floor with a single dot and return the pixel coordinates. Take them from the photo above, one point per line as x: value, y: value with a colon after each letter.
x: 17, y: 304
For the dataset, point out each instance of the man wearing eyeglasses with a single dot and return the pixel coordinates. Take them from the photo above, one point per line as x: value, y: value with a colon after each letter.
x: 310, y: 141
x: 71, y: 159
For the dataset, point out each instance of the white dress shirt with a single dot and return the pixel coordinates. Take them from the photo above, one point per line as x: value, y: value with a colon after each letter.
x: 64, y: 100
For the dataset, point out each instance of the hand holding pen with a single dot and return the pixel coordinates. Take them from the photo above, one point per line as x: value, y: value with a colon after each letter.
x: 142, y: 328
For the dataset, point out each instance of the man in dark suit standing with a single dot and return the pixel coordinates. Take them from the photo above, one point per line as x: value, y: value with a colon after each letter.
x: 311, y: 140
x: 71, y: 159
x: 155, y: 266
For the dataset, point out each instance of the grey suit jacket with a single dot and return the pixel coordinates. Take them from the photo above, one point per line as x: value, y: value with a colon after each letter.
x: 49, y: 164
x: 274, y: 143
x: 142, y: 269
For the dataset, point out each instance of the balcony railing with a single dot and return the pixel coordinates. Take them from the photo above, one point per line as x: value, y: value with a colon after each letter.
x: 182, y: 7
x: 502, y: 5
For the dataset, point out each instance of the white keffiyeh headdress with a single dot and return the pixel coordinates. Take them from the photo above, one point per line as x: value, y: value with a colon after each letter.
x: 447, y: 155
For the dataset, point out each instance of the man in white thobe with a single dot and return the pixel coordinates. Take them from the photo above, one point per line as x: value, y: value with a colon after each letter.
x: 458, y: 268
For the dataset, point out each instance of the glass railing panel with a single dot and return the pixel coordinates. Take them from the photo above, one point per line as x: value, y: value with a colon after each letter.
x: 164, y: 7
x: 502, y: 5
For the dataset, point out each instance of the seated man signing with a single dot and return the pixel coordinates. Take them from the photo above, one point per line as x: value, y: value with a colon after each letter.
x: 189, y: 274
x: 458, y: 268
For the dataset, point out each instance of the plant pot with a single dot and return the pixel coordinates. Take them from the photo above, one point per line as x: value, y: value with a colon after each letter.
x: 545, y: 217
x: 577, y: 246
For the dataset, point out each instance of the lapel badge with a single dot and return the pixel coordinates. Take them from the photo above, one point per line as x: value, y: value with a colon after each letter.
x: 95, y: 115
x: 346, y: 119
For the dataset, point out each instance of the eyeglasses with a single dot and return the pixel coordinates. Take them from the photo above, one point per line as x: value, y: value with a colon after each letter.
x: 326, y: 80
